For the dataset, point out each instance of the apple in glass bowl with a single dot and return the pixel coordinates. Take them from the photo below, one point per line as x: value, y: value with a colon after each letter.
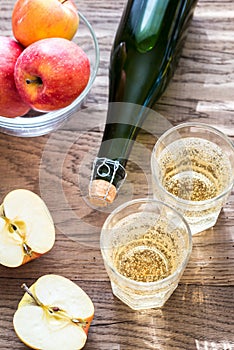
x: 50, y: 73
x: 33, y: 20
x: 37, y: 123
x: 11, y: 103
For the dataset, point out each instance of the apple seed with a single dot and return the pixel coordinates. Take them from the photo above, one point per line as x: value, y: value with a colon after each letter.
x: 13, y: 228
x: 55, y: 308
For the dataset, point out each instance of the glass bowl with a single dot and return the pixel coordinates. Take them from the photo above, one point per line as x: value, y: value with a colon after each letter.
x: 36, y: 123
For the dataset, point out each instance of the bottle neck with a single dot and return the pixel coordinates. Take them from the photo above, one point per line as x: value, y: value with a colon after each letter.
x: 107, y: 177
x: 109, y: 170
x: 123, y: 123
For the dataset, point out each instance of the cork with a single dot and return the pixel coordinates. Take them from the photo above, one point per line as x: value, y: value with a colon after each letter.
x: 102, y: 193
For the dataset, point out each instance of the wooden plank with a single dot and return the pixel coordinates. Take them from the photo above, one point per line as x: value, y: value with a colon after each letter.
x: 194, y: 316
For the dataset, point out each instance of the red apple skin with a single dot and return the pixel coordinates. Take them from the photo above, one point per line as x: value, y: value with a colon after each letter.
x: 11, y: 104
x: 28, y: 258
x: 33, y: 20
x: 51, y: 73
x: 88, y: 324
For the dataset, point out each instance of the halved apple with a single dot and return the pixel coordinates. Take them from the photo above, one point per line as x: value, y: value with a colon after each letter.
x: 54, y: 314
x: 26, y: 228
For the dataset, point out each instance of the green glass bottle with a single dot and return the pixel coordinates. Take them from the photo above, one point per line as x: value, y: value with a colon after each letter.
x: 143, y: 59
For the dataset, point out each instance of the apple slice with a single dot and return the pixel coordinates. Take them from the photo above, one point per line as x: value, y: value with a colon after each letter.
x: 26, y: 228
x: 54, y: 313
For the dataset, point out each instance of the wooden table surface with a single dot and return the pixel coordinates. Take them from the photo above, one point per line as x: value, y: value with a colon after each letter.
x: 199, y: 314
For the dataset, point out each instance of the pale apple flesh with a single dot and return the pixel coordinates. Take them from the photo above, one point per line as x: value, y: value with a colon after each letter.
x: 11, y: 104
x: 51, y: 73
x: 26, y: 228
x: 33, y: 20
x: 54, y: 313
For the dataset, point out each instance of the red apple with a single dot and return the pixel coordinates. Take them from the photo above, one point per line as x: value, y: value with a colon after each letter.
x: 51, y: 73
x: 11, y: 104
x: 33, y: 20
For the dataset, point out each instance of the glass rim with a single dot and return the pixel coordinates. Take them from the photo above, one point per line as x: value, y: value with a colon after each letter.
x: 204, y: 127
x: 181, y: 266
x: 47, y: 118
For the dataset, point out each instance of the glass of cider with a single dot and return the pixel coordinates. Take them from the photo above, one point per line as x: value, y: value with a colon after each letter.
x: 146, y: 246
x: 193, y: 171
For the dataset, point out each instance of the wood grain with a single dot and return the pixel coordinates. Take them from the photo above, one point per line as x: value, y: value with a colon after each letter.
x: 199, y: 315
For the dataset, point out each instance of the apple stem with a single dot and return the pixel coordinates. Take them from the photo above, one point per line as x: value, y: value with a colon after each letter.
x: 37, y: 80
x: 27, y: 290
x: 27, y: 249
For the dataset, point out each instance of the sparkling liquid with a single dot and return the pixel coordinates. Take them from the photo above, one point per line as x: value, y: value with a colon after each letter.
x: 194, y: 169
x: 152, y: 257
x: 197, y: 172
